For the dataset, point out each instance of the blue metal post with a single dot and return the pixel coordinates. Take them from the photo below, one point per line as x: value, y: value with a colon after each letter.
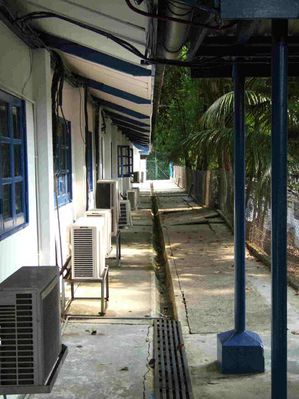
x: 240, y: 351
x: 279, y: 207
x: 239, y: 198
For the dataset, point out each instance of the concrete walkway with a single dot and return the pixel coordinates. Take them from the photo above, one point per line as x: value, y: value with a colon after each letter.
x: 200, y: 256
x: 108, y: 356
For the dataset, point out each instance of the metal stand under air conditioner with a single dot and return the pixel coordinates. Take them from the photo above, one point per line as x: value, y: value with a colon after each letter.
x: 104, y: 283
x: 117, y: 239
x: 118, y: 246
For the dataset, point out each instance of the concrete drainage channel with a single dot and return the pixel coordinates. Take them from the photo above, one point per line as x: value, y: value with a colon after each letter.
x: 163, y: 277
x: 171, y: 376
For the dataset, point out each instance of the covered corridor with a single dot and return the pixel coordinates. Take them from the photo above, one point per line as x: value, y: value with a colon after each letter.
x: 80, y: 102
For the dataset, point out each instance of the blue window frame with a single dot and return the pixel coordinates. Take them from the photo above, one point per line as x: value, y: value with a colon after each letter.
x: 62, y: 151
x: 13, y: 165
x: 89, y: 165
x: 124, y: 160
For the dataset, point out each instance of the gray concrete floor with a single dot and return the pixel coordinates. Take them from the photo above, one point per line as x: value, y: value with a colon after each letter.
x: 105, y: 361
x: 132, y: 284
x: 200, y: 258
x: 108, y: 356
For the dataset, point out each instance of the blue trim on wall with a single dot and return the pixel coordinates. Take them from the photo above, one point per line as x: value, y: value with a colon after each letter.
x: 142, y: 136
x: 92, y: 55
x: 143, y: 148
x: 126, y: 119
x: 125, y: 125
x: 124, y: 110
x: 12, y: 141
x: 135, y: 138
x: 116, y: 92
x: 63, y: 178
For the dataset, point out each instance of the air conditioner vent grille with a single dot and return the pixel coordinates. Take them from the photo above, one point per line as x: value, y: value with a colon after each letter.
x: 16, y: 345
x: 83, y: 252
x: 51, y: 330
x: 125, y: 213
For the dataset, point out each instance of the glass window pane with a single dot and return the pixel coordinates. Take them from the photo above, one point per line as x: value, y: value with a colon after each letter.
x: 61, y: 185
x: 7, y: 211
x: 19, y: 197
x: 3, y: 119
x: 56, y: 189
x: 62, y: 141
x: 18, y: 160
x: 5, y: 153
x: 16, y: 122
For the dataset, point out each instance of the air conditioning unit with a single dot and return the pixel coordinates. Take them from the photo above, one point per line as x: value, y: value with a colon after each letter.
x: 132, y: 197
x: 107, y: 197
x: 114, y: 220
x: 125, y: 218
x: 137, y: 189
x: 88, y: 248
x: 106, y: 194
x: 136, y: 177
x: 104, y: 214
x: 30, y: 337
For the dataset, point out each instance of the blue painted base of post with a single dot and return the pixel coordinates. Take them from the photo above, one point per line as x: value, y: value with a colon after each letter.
x: 240, y: 353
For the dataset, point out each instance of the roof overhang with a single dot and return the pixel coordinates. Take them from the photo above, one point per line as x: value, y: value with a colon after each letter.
x: 114, y: 75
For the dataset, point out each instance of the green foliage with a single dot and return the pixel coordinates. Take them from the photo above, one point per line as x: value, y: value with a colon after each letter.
x: 195, y: 124
x: 178, y: 111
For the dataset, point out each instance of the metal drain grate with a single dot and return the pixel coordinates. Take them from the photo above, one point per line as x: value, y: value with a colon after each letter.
x: 172, y: 380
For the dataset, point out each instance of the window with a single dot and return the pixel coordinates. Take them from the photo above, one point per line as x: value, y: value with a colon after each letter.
x: 13, y: 172
x: 62, y: 152
x: 125, y: 160
x: 89, y: 166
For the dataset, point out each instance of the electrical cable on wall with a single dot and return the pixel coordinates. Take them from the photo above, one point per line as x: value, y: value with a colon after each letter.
x: 97, y: 140
x: 30, y: 70
x: 57, y: 97
x: 86, y: 149
x: 80, y: 115
x: 43, y: 15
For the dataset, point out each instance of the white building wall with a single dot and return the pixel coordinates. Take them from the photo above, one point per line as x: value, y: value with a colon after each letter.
x: 74, y: 112
x: 41, y: 70
x: 139, y: 164
x: 143, y: 169
x: 114, y: 142
x: 107, y: 136
x: 20, y: 248
x: 26, y: 73
x: 136, y: 159
x: 15, y: 65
